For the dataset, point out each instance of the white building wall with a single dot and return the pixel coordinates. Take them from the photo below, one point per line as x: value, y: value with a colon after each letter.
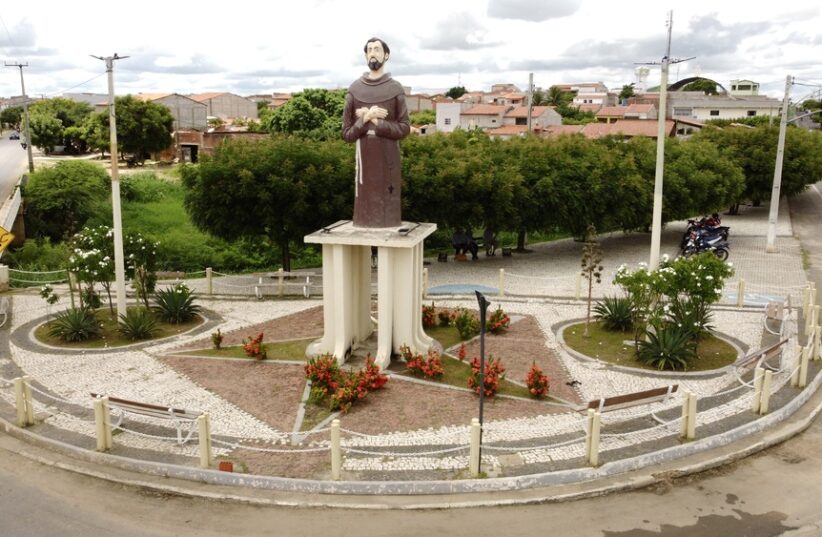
x: 448, y: 116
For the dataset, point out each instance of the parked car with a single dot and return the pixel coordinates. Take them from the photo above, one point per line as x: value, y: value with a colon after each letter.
x: 14, y: 135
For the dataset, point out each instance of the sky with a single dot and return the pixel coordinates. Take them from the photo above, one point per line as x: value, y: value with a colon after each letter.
x: 257, y: 48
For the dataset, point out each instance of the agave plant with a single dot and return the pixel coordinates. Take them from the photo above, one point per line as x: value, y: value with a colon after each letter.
x: 175, y: 304
x: 75, y: 324
x: 667, y: 347
x: 615, y: 313
x: 137, y: 323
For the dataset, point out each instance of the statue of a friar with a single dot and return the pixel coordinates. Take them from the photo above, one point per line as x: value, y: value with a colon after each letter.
x: 376, y: 119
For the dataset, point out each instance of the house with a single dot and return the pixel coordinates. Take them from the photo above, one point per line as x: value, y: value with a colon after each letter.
x: 92, y: 99
x: 641, y: 111
x: 418, y: 103
x: 483, y: 116
x: 448, y: 115
x: 697, y: 105
x: 541, y: 116
x: 507, y: 132
x: 744, y: 88
x: 187, y: 113
x: 227, y: 105
x: 609, y: 114
x: 627, y: 128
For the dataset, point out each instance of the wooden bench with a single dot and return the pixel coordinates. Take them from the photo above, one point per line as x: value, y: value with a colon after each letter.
x: 178, y: 417
x: 760, y: 354
x: 775, y: 312
x: 4, y: 309
x: 645, y: 397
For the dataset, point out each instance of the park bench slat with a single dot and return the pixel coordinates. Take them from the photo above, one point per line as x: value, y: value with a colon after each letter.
x: 632, y: 399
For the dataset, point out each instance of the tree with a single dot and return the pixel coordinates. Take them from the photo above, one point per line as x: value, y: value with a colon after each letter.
x: 275, y: 190
x: 143, y: 128
x: 591, y: 267
x: 627, y: 92
x: 704, y: 85
x: 557, y: 97
x: 423, y: 117
x: 46, y: 131
x: 315, y: 113
x: 58, y: 122
x: 59, y: 200
x: 456, y: 92
x: 12, y: 116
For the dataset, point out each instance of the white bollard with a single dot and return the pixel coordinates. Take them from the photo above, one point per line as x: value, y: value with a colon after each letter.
x: 102, y: 422
x: 688, y: 429
x: 22, y: 399
x: 797, y: 365
x: 817, y: 341
x: 578, y: 289
x: 740, y: 293
x: 4, y: 278
x: 474, y: 452
x: 204, y: 432
x: 592, y: 437
x: 209, y: 281
x: 336, y: 454
x: 502, y: 282
x: 757, y: 387
x: 766, y: 392
x: 803, y: 366
x: 280, y: 286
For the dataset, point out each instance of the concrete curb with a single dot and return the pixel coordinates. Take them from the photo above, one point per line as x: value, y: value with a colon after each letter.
x: 628, y: 474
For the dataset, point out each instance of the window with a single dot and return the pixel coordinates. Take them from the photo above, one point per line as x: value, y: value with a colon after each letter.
x: 686, y: 112
x: 751, y: 113
x: 493, y: 121
x: 714, y: 112
x: 448, y: 121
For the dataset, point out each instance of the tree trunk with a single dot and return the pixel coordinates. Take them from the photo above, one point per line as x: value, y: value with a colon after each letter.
x: 521, y: 237
x: 588, y: 315
x: 734, y: 209
x: 286, y: 256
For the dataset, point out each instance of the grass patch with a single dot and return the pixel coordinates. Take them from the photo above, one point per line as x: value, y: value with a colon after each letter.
x: 610, y: 347
x: 278, y: 350
x: 448, y: 336
x: 806, y: 259
x: 109, y: 336
x: 456, y: 373
x: 314, y: 415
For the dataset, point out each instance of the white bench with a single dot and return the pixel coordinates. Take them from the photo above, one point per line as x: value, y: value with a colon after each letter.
x: 178, y: 417
x: 4, y: 309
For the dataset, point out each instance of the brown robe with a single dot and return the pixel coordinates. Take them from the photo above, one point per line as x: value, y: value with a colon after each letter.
x: 378, y: 179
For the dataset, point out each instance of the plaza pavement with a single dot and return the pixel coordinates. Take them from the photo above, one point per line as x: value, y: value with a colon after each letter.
x: 541, y: 284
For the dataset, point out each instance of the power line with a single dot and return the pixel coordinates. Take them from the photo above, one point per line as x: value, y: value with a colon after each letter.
x: 11, y: 41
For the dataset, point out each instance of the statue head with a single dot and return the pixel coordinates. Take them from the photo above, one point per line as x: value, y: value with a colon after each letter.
x: 376, y: 53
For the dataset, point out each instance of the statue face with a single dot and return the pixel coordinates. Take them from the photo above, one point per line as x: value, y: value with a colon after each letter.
x: 375, y: 56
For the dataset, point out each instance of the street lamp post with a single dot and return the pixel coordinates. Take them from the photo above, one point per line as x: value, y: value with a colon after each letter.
x: 119, y: 261
x: 26, y: 128
x: 483, y: 307
x: 773, y: 214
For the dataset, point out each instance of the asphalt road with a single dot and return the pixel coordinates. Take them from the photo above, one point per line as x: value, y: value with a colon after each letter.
x: 777, y: 492
x: 13, y: 163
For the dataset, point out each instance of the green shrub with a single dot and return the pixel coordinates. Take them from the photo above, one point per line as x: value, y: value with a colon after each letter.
x: 176, y: 304
x: 136, y: 324
x: 691, y: 315
x: 143, y: 187
x: 75, y: 324
x: 615, y: 313
x: 90, y: 298
x: 466, y: 324
x: 667, y: 347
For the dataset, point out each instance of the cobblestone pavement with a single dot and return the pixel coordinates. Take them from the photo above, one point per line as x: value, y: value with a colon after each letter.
x: 64, y: 380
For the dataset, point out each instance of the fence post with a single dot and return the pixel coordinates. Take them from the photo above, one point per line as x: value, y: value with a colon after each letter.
x: 102, y: 422
x: 797, y: 365
x: 502, y: 282
x: 817, y: 341
x: 592, y: 438
x: 280, y: 277
x: 204, y: 430
x: 766, y: 392
x: 740, y: 293
x: 4, y: 277
x: 474, y: 452
x: 757, y: 387
x: 336, y: 455
x: 424, y: 281
x: 209, y: 281
x: 803, y: 365
x: 307, y: 287
x: 578, y: 289
x: 688, y: 429
x: 23, y: 404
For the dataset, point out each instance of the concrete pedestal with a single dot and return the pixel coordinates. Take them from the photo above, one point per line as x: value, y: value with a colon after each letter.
x: 347, y: 289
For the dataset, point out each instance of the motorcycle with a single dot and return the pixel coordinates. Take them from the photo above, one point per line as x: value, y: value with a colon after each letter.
x: 703, y: 241
x: 710, y: 224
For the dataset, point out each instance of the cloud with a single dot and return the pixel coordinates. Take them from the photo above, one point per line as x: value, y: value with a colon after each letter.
x: 532, y: 10
x: 197, y: 64
x: 282, y: 73
x: 458, y: 31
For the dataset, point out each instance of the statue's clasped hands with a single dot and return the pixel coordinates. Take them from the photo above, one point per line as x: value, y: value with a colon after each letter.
x: 373, y: 114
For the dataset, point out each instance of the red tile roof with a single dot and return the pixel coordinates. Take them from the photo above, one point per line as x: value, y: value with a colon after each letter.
x: 151, y: 96
x: 206, y: 96
x: 612, y: 111
x: 558, y: 130
x: 639, y: 108
x: 508, y: 130
x: 486, y: 110
x: 626, y: 127
x: 522, y: 111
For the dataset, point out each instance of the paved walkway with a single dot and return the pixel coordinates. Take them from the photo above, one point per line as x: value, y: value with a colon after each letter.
x: 63, y: 381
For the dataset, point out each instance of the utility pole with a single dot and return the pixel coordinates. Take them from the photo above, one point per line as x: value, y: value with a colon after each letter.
x: 530, y: 98
x: 656, y: 220
x: 773, y: 214
x: 119, y: 261
x: 26, y: 130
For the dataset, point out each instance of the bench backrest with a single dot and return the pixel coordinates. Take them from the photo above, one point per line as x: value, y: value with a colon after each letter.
x: 633, y: 399
x: 753, y: 357
x: 147, y: 409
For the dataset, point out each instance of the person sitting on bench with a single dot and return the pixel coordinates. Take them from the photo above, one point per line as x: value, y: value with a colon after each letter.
x: 463, y: 243
x: 489, y: 237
